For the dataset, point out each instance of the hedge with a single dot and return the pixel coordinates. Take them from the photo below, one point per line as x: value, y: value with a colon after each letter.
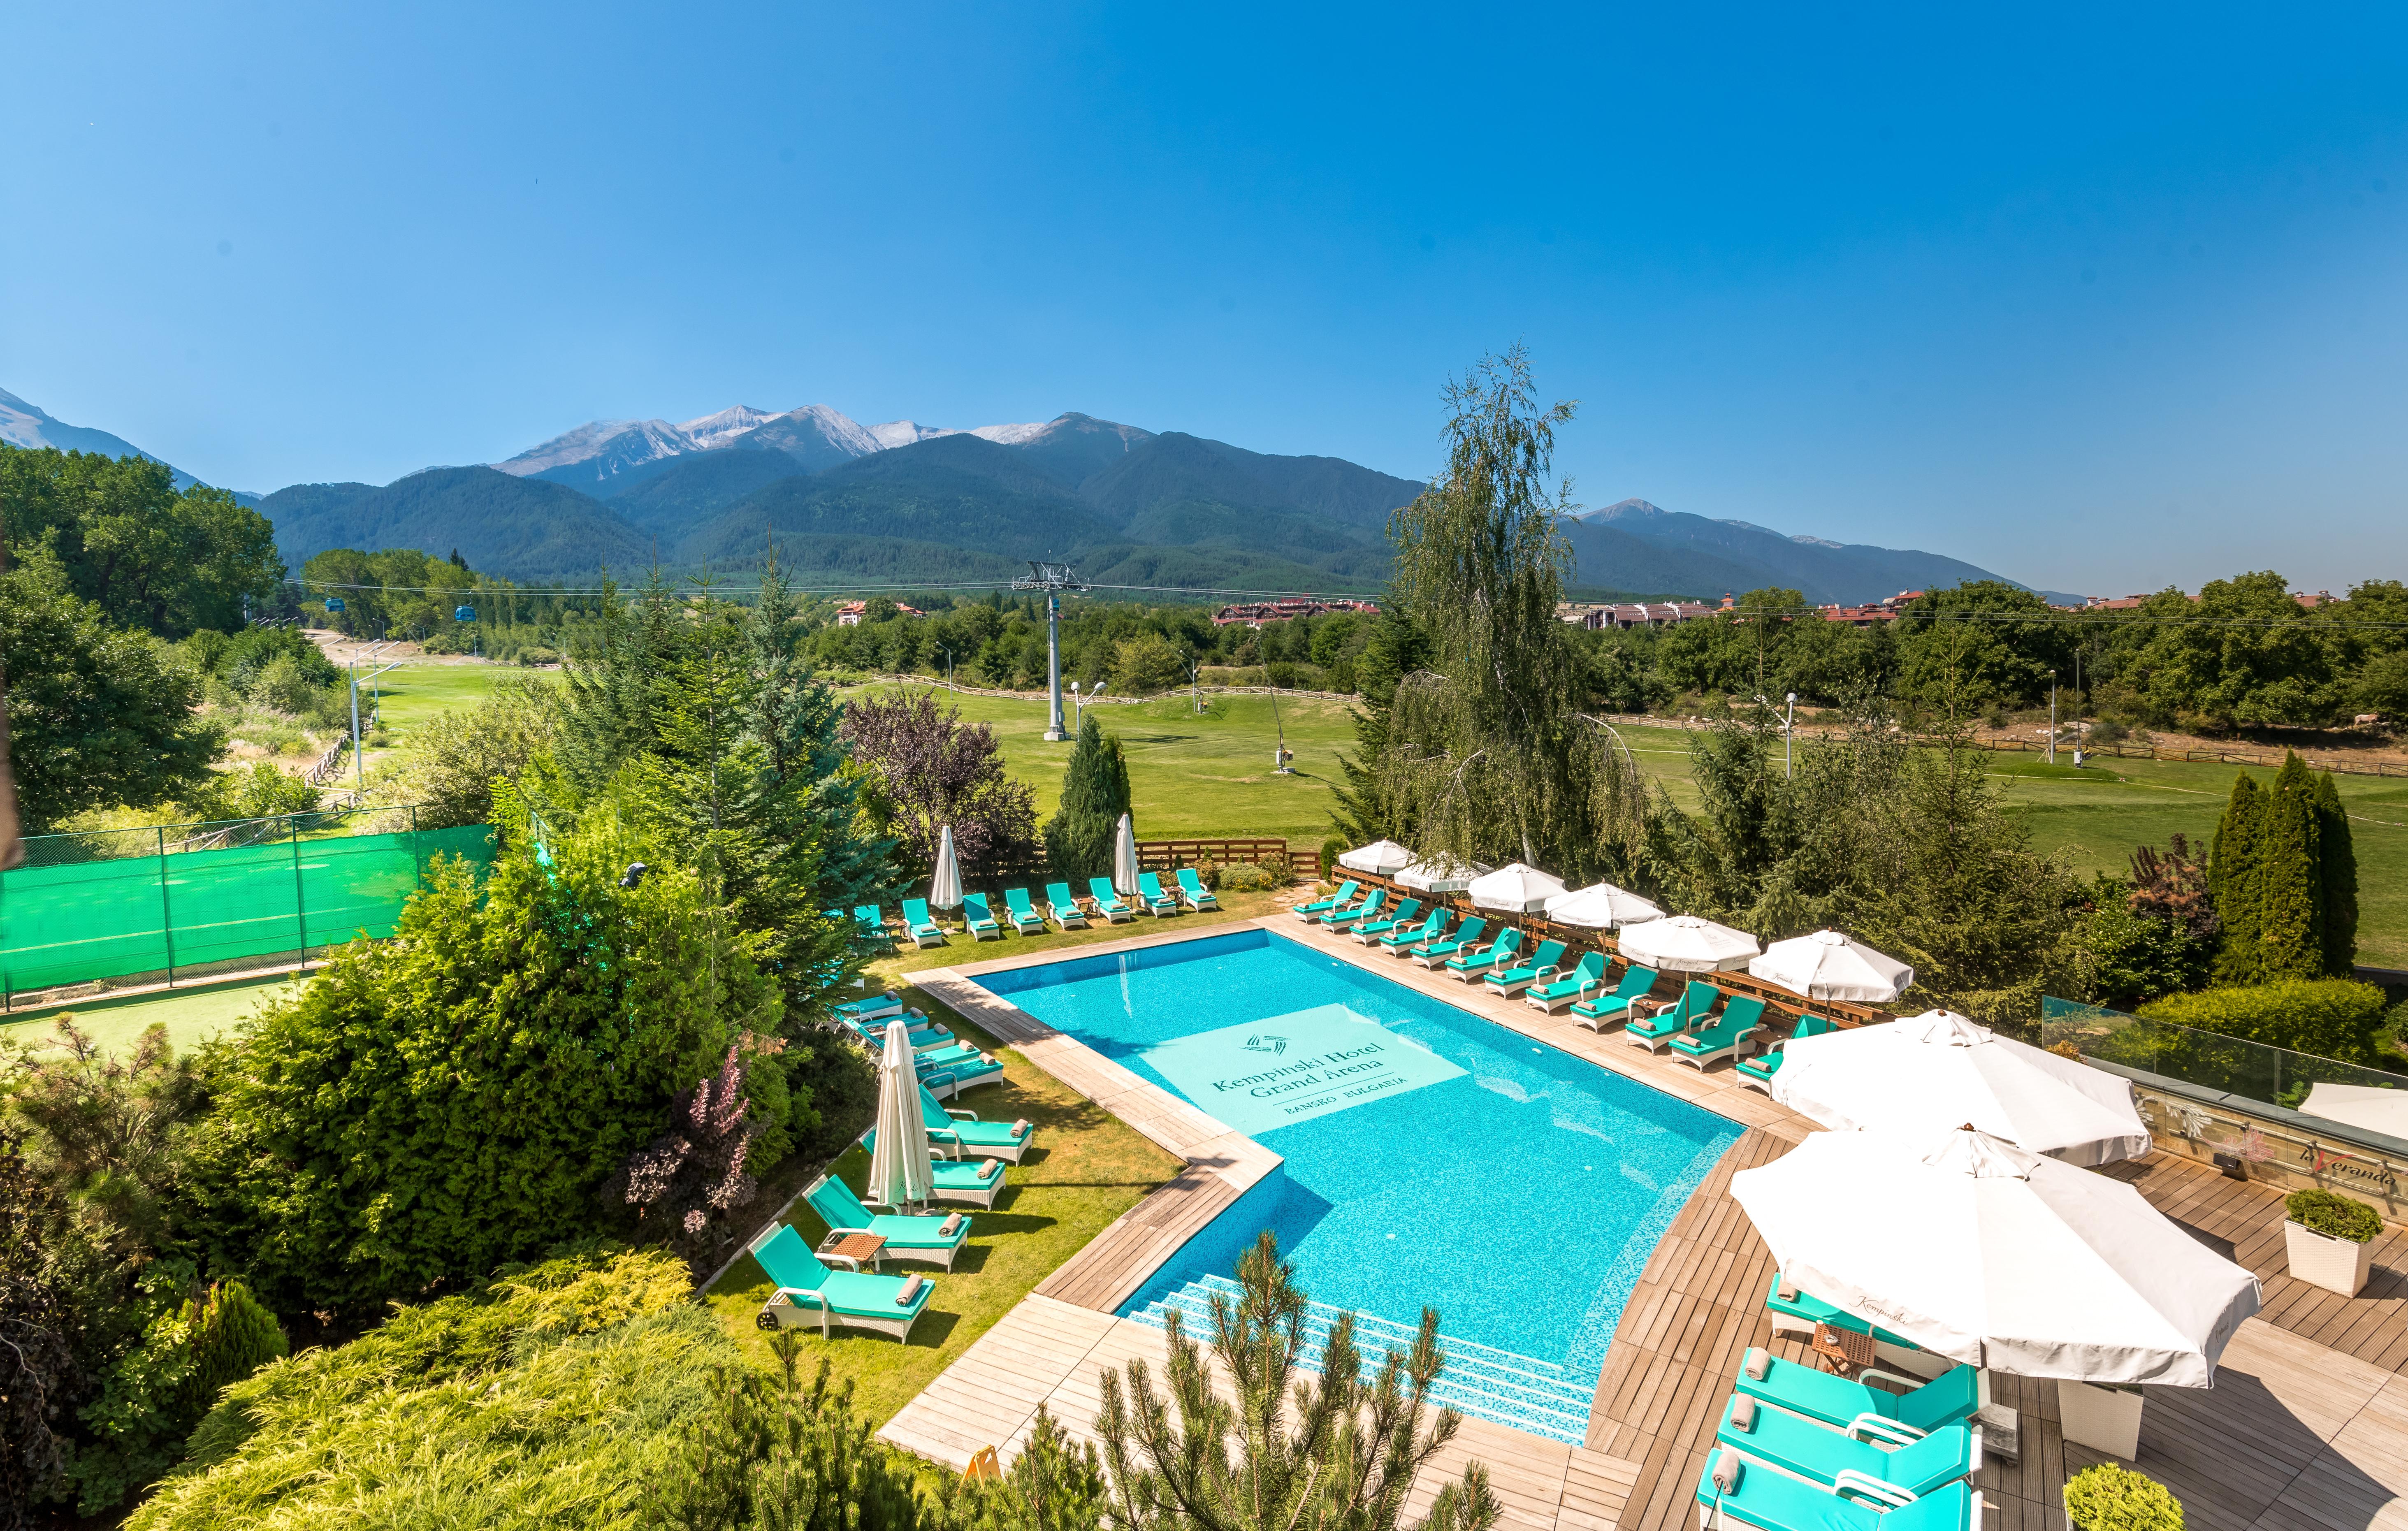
x: 2332, y: 1018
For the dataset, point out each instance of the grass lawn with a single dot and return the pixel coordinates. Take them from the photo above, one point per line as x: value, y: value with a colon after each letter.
x: 190, y: 1017
x: 1086, y: 1168
x: 414, y: 693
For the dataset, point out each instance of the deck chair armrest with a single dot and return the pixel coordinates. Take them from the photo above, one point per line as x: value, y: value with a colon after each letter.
x: 1887, y: 1494
x: 798, y: 1295
x: 1545, y: 975
x: 961, y: 1116
x: 1882, y: 1427
x: 1874, y: 1373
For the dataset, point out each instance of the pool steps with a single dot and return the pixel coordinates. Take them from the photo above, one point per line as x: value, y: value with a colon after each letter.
x: 1479, y: 1380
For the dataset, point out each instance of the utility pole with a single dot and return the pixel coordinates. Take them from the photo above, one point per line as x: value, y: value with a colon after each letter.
x: 1052, y: 578
x: 1279, y: 752
x: 1195, y: 692
x: 2052, y: 717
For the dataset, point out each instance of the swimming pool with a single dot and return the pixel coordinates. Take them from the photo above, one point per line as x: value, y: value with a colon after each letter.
x: 1432, y: 1157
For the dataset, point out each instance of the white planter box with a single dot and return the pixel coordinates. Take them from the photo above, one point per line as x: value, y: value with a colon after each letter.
x: 2105, y: 1419
x: 2337, y: 1264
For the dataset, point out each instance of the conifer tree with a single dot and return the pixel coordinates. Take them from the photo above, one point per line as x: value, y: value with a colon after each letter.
x: 2232, y: 880
x: 1095, y: 795
x: 2289, y: 897
x: 233, y: 1335
x: 2337, y: 871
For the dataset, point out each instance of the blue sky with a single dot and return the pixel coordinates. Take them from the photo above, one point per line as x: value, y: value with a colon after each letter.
x: 2103, y: 298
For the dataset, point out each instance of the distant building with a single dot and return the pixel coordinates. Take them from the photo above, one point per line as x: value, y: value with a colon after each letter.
x: 1597, y: 617
x: 2114, y: 603
x: 2322, y: 597
x: 1256, y: 613
x: 849, y: 613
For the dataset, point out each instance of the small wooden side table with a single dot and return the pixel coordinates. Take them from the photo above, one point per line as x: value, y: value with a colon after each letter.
x: 852, y: 1248
x: 1844, y: 1350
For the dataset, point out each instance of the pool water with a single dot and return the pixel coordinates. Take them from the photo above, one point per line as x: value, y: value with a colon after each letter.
x: 1432, y: 1157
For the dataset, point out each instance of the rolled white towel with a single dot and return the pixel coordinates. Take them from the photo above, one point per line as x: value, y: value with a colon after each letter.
x: 911, y: 1290
x: 951, y: 1226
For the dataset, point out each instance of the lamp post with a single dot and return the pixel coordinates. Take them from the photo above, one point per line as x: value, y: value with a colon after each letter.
x: 2052, y: 717
x: 1788, y: 733
x: 1195, y: 691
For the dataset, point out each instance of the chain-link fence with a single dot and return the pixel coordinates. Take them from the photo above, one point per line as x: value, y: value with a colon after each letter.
x: 184, y: 900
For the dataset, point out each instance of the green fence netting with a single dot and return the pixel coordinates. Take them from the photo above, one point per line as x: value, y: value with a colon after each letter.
x: 178, y: 898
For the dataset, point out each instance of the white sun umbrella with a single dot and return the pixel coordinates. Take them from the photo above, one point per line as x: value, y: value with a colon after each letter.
x: 1601, y: 906
x: 945, y: 887
x: 1937, y: 1070
x: 1682, y: 943
x: 1125, y: 857
x: 1829, y: 966
x: 1439, y: 875
x: 900, y: 1172
x: 1515, y: 888
x: 1989, y: 1255
x: 1380, y: 858
x: 2368, y: 1105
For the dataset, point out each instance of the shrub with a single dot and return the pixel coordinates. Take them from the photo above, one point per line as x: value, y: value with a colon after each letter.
x: 1332, y: 849
x: 2332, y: 1018
x: 2111, y: 1499
x: 2334, y: 1215
x: 1247, y: 876
x: 772, y: 1454
x: 262, y: 791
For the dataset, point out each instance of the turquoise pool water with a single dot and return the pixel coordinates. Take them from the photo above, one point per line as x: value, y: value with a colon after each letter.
x: 1432, y: 1157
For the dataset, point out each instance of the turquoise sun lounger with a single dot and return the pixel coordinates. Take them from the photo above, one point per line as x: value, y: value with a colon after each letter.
x: 935, y: 1239
x: 1563, y: 988
x: 1466, y: 938
x: 1150, y: 897
x: 1798, y: 1311
x: 1107, y: 900
x: 1505, y: 980
x: 1368, y: 931
x: 946, y: 1072
x: 1354, y: 914
x: 977, y: 1182
x: 977, y: 918
x: 1192, y: 890
x: 967, y: 1138
x: 1606, y: 1009
x: 1794, y: 1445
x: 1725, y: 1035
x: 1064, y: 909
x: 872, y: 924
x: 922, y: 929
x: 926, y: 1035
x: 1757, y: 1072
x: 806, y: 1287
x: 1025, y: 919
x: 1469, y: 965
x: 1951, y: 1399
x: 1319, y: 907
x: 1397, y: 942
x: 1697, y: 1002
x: 875, y: 1008
x: 1759, y: 1496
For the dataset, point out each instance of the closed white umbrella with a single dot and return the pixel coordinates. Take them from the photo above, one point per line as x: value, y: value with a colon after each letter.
x: 1992, y: 1256
x: 1937, y: 1070
x: 1601, y: 906
x: 1380, y: 858
x: 2369, y: 1106
x: 900, y: 1172
x: 1682, y: 943
x: 1125, y: 857
x: 1830, y: 966
x: 1439, y: 875
x: 1514, y: 888
x: 945, y: 886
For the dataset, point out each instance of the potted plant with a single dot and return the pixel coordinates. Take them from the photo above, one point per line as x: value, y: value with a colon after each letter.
x: 2111, y: 1499
x: 2329, y: 1239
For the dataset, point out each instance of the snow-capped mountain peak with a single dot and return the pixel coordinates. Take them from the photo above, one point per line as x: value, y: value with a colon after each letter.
x: 903, y: 433
x: 718, y: 430
x: 617, y: 444
x: 1011, y: 436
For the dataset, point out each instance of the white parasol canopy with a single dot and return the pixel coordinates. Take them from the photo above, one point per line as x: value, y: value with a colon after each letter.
x: 1937, y: 1070
x: 1601, y: 906
x: 1439, y: 875
x: 1682, y: 943
x: 1124, y: 858
x: 1380, y: 858
x: 945, y: 886
x: 900, y: 1170
x: 2368, y: 1105
x: 1830, y: 966
x: 1514, y: 888
x: 1979, y: 1251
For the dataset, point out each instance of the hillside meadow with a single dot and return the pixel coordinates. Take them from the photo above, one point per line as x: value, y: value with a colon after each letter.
x: 1210, y: 773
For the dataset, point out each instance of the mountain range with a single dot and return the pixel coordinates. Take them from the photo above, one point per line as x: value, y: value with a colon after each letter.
x: 904, y: 502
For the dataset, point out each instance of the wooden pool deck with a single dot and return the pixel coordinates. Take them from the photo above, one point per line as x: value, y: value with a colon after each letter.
x: 2307, y: 1428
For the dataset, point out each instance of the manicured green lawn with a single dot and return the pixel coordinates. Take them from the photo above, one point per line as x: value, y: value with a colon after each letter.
x: 1191, y: 774
x: 415, y: 692
x: 190, y: 1018
x: 1086, y: 1169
